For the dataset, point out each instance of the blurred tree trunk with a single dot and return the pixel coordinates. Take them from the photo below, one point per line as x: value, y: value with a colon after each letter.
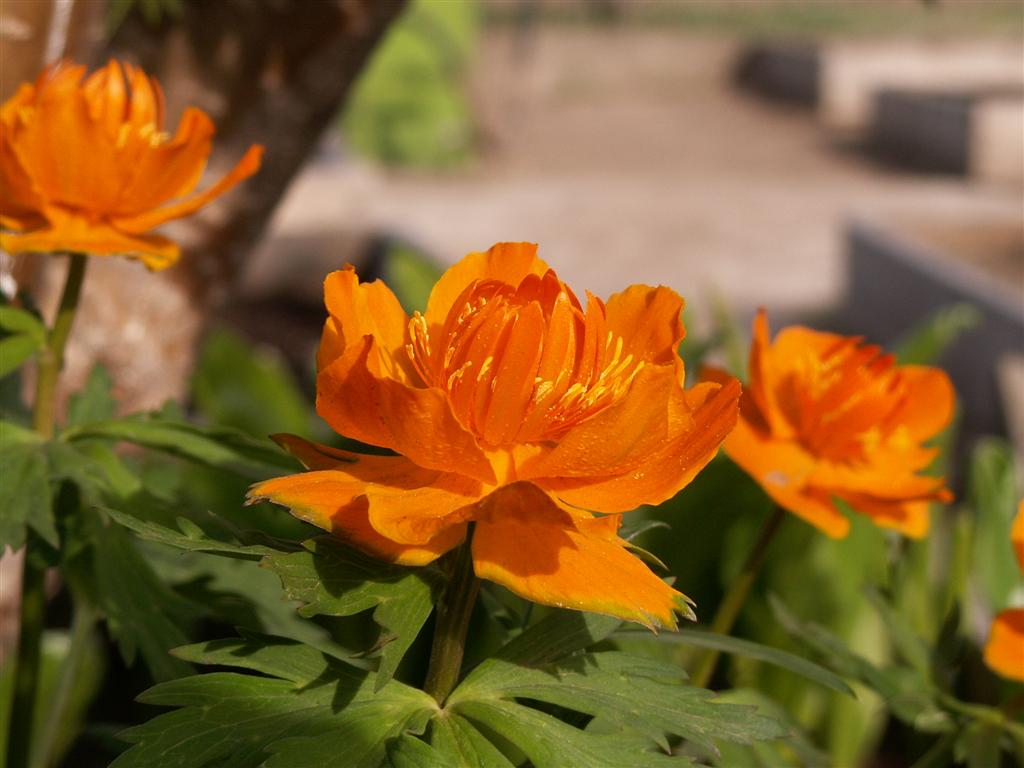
x: 273, y: 72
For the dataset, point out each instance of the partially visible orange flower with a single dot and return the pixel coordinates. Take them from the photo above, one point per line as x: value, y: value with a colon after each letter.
x: 827, y: 417
x: 1004, y: 651
x: 86, y: 167
x: 517, y: 409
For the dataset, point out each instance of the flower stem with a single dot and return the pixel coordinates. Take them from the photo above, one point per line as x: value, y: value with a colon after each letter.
x: 731, y: 605
x: 33, y: 595
x: 453, y: 613
x: 52, y: 358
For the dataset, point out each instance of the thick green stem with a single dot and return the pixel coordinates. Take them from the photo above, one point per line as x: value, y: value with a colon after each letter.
x: 33, y: 595
x: 453, y: 613
x: 731, y: 605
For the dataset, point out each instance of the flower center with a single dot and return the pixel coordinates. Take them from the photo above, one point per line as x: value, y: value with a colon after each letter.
x: 522, y: 364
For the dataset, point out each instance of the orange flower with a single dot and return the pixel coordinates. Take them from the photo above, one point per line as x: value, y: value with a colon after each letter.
x: 826, y: 417
x: 1004, y: 651
x: 85, y: 166
x: 513, y: 408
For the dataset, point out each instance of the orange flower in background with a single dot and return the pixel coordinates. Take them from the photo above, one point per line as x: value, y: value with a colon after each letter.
x: 85, y: 166
x: 826, y: 417
x: 1004, y: 651
x: 517, y: 409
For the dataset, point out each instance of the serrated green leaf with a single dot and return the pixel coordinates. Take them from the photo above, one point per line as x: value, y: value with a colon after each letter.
x: 143, y: 615
x: 410, y: 752
x: 751, y: 650
x: 15, y: 350
x: 550, y: 743
x: 25, y: 497
x: 214, y: 446
x: 191, y: 540
x: 558, y: 635
x: 323, y: 710
x: 464, y: 745
x: 94, y: 402
x: 16, y: 320
x: 335, y: 580
x: 635, y: 693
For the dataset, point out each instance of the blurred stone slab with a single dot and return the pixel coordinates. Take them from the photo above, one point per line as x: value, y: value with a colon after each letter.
x: 852, y: 72
x: 789, y: 72
x: 976, y: 133
x: 898, y: 275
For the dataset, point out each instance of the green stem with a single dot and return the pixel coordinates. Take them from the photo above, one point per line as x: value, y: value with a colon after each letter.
x: 82, y: 623
x: 33, y: 595
x: 52, y: 358
x: 731, y: 605
x: 453, y: 614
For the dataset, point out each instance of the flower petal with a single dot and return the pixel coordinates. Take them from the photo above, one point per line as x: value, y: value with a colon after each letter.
x: 72, y: 233
x: 929, y: 402
x: 337, y: 502
x: 526, y: 543
x: 781, y: 468
x: 360, y: 401
x: 507, y: 262
x: 1017, y: 535
x: 1004, y: 651
x: 664, y: 469
x: 246, y: 167
x: 649, y: 321
x: 911, y: 518
x: 363, y: 309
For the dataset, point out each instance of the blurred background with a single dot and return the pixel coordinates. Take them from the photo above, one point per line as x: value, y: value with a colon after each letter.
x: 859, y: 164
x: 856, y: 166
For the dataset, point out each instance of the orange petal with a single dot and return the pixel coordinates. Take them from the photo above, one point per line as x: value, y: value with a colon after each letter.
x: 507, y: 262
x: 1004, y: 651
x: 666, y: 468
x: 169, y: 170
x: 359, y: 401
x: 759, y: 395
x: 76, y: 235
x: 621, y: 437
x: 363, y: 309
x: 649, y: 321
x: 929, y: 402
x: 781, y: 468
x: 335, y: 501
x: 247, y: 166
x: 876, y: 479
x: 529, y: 545
x: 911, y: 518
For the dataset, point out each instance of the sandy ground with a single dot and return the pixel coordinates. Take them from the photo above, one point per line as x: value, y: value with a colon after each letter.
x: 630, y: 157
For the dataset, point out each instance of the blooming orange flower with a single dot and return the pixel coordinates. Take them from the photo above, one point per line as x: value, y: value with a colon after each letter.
x: 826, y: 417
x: 85, y: 165
x: 1004, y: 651
x: 517, y: 409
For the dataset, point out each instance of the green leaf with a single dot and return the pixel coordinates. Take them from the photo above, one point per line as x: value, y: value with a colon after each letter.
x: 95, y: 401
x: 143, y: 615
x: 306, y: 709
x: 191, y: 538
x: 409, y: 752
x: 21, y: 321
x: 214, y: 446
x: 270, y: 400
x: 992, y: 493
x: 464, y: 744
x: 551, y: 743
x: 558, y: 635
x: 750, y: 650
x: 925, y: 343
x: 25, y: 497
x: 335, y: 580
x: 15, y: 350
x: 411, y: 275
x: 635, y: 693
